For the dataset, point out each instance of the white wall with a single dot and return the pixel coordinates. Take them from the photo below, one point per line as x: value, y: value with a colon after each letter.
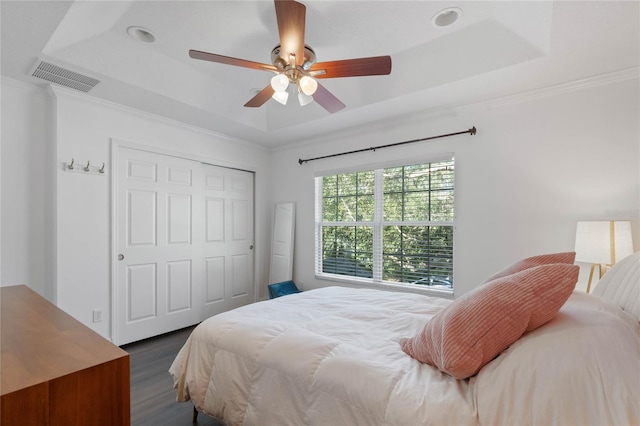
x: 539, y: 163
x: 65, y: 125
x: 27, y: 188
x: 84, y: 129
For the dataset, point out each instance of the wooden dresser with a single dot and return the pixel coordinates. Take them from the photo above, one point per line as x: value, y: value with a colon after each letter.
x: 54, y: 370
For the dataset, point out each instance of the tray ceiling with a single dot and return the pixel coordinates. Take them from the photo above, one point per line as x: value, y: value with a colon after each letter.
x: 494, y: 49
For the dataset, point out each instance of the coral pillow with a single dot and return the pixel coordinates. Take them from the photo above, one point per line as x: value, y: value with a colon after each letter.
x: 477, y: 327
x: 530, y: 262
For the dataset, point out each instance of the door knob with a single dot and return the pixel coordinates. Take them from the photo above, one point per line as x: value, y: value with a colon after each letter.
x: 121, y: 257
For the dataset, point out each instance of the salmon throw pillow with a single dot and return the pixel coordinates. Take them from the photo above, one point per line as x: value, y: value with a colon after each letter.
x: 477, y: 327
x: 530, y: 262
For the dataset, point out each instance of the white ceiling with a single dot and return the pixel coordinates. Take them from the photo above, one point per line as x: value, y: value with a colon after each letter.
x: 497, y: 48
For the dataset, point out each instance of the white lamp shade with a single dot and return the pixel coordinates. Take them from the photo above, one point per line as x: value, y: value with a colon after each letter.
x: 603, y: 242
x: 281, y: 97
x: 308, y: 85
x: 304, y: 99
x: 279, y: 82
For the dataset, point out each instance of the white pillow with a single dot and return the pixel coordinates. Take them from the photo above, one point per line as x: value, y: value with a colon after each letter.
x: 621, y: 285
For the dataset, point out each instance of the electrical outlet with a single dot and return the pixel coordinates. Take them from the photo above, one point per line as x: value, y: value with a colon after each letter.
x: 97, y: 315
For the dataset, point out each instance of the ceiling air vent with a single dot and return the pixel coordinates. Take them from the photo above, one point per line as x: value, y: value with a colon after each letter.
x: 63, y: 77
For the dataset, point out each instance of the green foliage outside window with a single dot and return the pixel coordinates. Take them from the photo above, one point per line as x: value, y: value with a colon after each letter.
x: 415, y: 230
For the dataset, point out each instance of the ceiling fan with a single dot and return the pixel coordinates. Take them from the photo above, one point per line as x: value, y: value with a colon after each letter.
x: 295, y: 64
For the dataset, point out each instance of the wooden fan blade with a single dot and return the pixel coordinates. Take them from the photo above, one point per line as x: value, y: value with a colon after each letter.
x: 212, y: 57
x: 291, y: 22
x: 326, y: 100
x: 262, y: 97
x: 376, y: 65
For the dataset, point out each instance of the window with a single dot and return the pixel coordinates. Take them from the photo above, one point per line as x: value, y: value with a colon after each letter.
x: 390, y: 225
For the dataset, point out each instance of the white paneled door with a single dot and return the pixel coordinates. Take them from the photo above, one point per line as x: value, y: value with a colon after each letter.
x: 184, y: 235
x: 228, y: 239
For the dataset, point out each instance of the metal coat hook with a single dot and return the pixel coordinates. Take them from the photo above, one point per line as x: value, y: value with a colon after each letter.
x: 87, y: 169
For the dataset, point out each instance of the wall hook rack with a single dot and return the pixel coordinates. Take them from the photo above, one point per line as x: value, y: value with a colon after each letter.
x: 88, y: 169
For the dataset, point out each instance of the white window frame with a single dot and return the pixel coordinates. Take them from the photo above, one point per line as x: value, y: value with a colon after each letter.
x: 377, y: 226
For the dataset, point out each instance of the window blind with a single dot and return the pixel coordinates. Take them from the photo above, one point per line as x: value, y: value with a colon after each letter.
x: 391, y: 224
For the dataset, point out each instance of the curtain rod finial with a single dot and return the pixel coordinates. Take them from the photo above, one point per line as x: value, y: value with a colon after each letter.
x: 472, y: 130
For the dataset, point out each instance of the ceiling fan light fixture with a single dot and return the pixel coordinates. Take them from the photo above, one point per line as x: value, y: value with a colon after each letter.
x: 281, y: 97
x: 304, y: 99
x: 279, y: 82
x: 295, y: 66
x: 308, y: 85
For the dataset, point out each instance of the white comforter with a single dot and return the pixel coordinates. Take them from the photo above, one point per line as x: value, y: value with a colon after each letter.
x: 332, y: 357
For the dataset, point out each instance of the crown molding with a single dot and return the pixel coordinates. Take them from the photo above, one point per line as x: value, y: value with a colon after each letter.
x: 65, y: 92
x: 30, y: 88
x: 52, y: 92
x: 559, y: 89
x: 526, y: 96
x: 497, y: 102
x: 430, y: 113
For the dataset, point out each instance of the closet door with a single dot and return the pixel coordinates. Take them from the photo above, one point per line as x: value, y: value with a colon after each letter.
x: 184, y: 243
x: 228, y: 239
x: 158, y: 267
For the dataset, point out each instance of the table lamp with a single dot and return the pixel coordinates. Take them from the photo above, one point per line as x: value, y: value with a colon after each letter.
x: 602, y: 243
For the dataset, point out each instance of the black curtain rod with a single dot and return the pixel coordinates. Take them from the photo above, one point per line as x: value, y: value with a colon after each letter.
x: 471, y: 131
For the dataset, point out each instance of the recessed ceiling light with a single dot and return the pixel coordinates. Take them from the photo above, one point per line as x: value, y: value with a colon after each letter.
x: 446, y: 17
x: 141, y: 34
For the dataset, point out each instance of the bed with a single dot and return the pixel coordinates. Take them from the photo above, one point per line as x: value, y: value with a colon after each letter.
x: 332, y: 356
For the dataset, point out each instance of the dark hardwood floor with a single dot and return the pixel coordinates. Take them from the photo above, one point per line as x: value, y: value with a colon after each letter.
x: 153, y: 399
